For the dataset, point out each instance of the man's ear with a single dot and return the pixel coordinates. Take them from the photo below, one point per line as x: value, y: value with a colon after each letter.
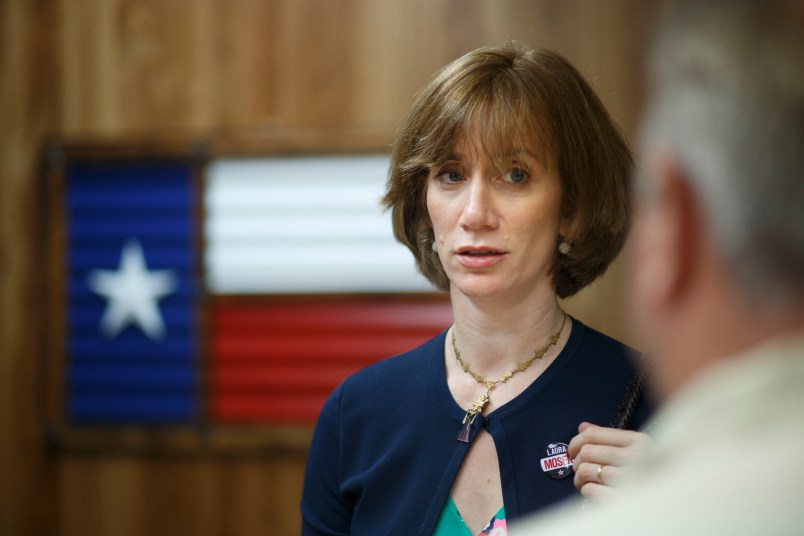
x: 681, y: 217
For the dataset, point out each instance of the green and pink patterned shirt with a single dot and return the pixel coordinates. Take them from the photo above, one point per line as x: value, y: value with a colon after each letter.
x: 450, y: 523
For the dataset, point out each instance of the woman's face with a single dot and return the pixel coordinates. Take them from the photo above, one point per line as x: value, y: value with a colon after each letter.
x: 496, y: 230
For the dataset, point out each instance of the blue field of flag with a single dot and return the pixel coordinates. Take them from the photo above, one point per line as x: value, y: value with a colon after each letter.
x: 131, y: 286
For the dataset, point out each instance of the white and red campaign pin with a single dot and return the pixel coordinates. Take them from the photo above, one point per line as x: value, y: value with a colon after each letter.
x: 556, y: 462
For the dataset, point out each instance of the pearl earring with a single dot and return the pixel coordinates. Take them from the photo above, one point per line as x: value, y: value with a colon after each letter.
x: 434, y: 246
x: 564, y: 247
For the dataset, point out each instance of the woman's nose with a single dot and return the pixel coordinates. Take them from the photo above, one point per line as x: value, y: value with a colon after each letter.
x: 479, y: 209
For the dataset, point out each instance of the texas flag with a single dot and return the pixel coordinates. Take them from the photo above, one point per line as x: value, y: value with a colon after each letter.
x: 239, y: 291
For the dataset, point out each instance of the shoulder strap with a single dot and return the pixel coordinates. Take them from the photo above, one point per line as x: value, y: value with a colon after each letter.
x: 633, y: 393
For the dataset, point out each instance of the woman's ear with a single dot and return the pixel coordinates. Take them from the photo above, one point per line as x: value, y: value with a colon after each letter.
x: 564, y: 224
x: 563, y: 227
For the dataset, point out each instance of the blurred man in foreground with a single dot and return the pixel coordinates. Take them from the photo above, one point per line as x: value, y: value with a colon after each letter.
x: 717, y: 286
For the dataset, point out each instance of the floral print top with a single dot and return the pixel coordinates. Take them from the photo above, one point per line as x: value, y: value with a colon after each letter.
x: 450, y: 523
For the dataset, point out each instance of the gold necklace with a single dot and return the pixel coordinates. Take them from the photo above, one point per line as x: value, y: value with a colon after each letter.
x: 480, y: 403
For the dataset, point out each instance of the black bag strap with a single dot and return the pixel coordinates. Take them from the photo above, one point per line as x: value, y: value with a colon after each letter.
x: 633, y: 394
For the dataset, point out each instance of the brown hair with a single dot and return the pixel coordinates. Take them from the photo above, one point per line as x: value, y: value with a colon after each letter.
x: 512, y: 91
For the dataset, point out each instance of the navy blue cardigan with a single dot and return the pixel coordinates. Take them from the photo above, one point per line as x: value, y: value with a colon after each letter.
x: 384, y: 454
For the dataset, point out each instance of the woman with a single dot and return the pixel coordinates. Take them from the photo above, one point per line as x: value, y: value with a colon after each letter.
x: 509, y: 183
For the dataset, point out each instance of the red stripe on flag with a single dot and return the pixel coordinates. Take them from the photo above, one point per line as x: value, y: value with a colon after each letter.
x: 313, y: 345
x: 277, y: 361
x: 245, y: 408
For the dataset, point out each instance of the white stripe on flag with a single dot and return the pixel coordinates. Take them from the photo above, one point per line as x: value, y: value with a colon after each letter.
x: 302, y: 225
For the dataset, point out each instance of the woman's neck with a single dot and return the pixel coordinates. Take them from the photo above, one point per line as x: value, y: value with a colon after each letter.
x: 493, y: 337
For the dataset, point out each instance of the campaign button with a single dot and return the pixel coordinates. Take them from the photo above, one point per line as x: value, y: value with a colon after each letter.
x: 555, y: 461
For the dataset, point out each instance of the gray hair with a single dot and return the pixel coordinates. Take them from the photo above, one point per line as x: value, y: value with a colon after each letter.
x: 727, y: 85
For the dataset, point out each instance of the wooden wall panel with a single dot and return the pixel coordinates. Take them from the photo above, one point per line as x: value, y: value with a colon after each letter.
x: 29, y: 80
x: 124, y: 496
x: 208, y: 66
x: 249, y: 70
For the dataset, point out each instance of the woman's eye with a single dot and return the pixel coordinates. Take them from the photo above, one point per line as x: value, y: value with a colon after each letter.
x: 517, y: 175
x: 450, y: 176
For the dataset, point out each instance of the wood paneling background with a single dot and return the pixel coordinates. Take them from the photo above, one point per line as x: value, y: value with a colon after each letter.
x: 249, y: 71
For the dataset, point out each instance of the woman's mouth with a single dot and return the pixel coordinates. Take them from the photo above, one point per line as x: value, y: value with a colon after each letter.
x: 479, y: 257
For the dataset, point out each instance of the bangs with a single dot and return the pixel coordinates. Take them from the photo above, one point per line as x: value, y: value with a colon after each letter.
x: 506, y: 128
x: 496, y: 112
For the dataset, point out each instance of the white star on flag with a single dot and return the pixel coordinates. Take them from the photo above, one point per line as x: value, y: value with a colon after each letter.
x: 132, y: 293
